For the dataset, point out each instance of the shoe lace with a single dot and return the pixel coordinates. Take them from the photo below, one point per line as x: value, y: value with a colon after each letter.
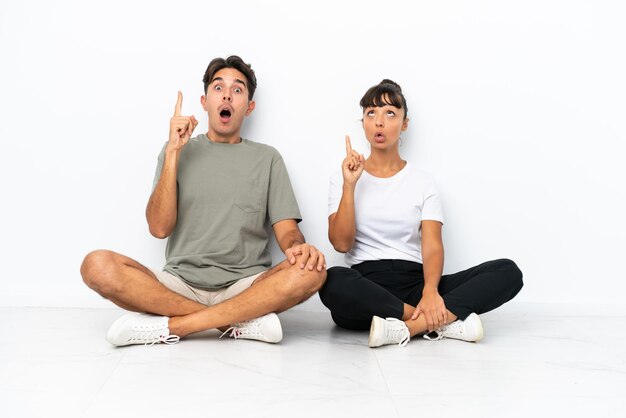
x: 455, y: 329
x: 398, y: 331
x: 170, y: 339
x: 241, y: 329
x: 435, y: 335
x: 151, y: 334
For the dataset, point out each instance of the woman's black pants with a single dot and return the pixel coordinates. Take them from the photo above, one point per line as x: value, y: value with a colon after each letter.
x: 382, y: 287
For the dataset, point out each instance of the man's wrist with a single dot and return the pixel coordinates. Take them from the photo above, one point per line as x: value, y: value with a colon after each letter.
x: 296, y: 242
x: 172, y: 152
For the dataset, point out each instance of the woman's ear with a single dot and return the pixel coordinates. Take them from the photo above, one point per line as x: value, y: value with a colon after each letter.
x: 405, y: 124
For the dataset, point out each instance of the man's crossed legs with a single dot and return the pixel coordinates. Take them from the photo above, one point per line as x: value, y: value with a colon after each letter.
x: 134, y: 287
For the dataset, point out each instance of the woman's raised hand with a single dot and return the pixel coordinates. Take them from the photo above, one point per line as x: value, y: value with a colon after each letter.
x: 353, y: 165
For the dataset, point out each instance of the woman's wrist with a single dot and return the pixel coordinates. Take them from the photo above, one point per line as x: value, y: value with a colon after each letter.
x: 430, y: 289
x: 348, y: 187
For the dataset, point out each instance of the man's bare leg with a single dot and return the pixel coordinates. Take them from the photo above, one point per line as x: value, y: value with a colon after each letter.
x: 132, y: 286
x: 284, y: 286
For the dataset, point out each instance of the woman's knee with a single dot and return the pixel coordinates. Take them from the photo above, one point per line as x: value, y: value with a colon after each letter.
x: 512, y: 273
x: 336, y: 278
x: 353, y: 324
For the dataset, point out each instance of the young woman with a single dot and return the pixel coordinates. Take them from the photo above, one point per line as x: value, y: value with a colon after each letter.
x: 385, y: 214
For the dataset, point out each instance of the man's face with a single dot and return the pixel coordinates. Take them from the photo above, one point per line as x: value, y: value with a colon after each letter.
x: 226, y: 102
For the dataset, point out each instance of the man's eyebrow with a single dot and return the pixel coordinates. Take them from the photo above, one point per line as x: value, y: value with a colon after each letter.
x: 236, y: 81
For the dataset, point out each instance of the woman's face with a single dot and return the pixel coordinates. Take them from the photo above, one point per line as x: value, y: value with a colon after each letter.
x: 383, y: 125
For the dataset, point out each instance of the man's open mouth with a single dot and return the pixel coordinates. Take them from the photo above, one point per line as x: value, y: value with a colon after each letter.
x: 225, y: 112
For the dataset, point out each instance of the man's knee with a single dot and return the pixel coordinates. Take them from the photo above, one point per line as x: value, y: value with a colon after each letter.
x: 96, y: 271
x: 320, y: 279
x: 306, y: 282
x: 313, y: 280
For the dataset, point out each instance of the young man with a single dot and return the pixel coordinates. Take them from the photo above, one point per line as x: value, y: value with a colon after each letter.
x: 215, y: 196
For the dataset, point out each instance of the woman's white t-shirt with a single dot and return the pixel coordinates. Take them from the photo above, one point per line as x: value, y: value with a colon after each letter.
x: 389, y: 213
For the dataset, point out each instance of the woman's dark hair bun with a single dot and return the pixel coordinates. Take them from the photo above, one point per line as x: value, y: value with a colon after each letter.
x: 393, y: 83
x: 385, y: 93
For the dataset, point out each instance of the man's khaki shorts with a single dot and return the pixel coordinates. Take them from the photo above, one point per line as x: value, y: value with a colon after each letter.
x: 206, y: 297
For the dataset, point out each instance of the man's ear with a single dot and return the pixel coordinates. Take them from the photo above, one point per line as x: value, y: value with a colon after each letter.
x: 203, y: 101
x: 251, y: 106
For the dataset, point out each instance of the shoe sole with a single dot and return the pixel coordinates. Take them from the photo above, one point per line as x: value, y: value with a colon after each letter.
x: 374, y: 331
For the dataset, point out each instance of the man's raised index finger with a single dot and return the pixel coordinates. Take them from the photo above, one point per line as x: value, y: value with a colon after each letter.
x: 348, y: 145
x: 179, y: 104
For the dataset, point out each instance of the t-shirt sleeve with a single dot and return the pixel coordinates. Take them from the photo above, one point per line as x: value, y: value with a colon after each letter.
x: 432, y: 210
x: 281, y: 201
x: 159, y: 168
x: 334, y: 192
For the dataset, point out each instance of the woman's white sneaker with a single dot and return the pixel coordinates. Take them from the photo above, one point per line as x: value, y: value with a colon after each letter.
x: 265, y: 328
x: 139, y: 328
x: 469, y: 330
x: 388, y: 331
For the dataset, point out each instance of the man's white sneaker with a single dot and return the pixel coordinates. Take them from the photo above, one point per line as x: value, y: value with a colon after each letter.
x: 139, y: 328
x: 388, y: 331
x: 265, y: 328
x: 469, y: 330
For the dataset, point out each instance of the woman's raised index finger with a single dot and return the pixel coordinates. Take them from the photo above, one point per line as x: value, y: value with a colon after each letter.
x: 348, y: 145
x: 179, y: 104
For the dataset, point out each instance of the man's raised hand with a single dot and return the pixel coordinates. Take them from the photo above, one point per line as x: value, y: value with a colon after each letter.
x: 181, y: 127
x: 353, y: 165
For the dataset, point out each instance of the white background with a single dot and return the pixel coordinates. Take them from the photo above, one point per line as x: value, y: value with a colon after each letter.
x: 517, y: 108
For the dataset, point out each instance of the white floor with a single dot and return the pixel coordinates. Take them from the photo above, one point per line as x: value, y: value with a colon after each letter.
x: 535, y: 360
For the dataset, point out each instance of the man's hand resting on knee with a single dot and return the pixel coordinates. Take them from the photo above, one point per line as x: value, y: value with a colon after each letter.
x: 311, y: 256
